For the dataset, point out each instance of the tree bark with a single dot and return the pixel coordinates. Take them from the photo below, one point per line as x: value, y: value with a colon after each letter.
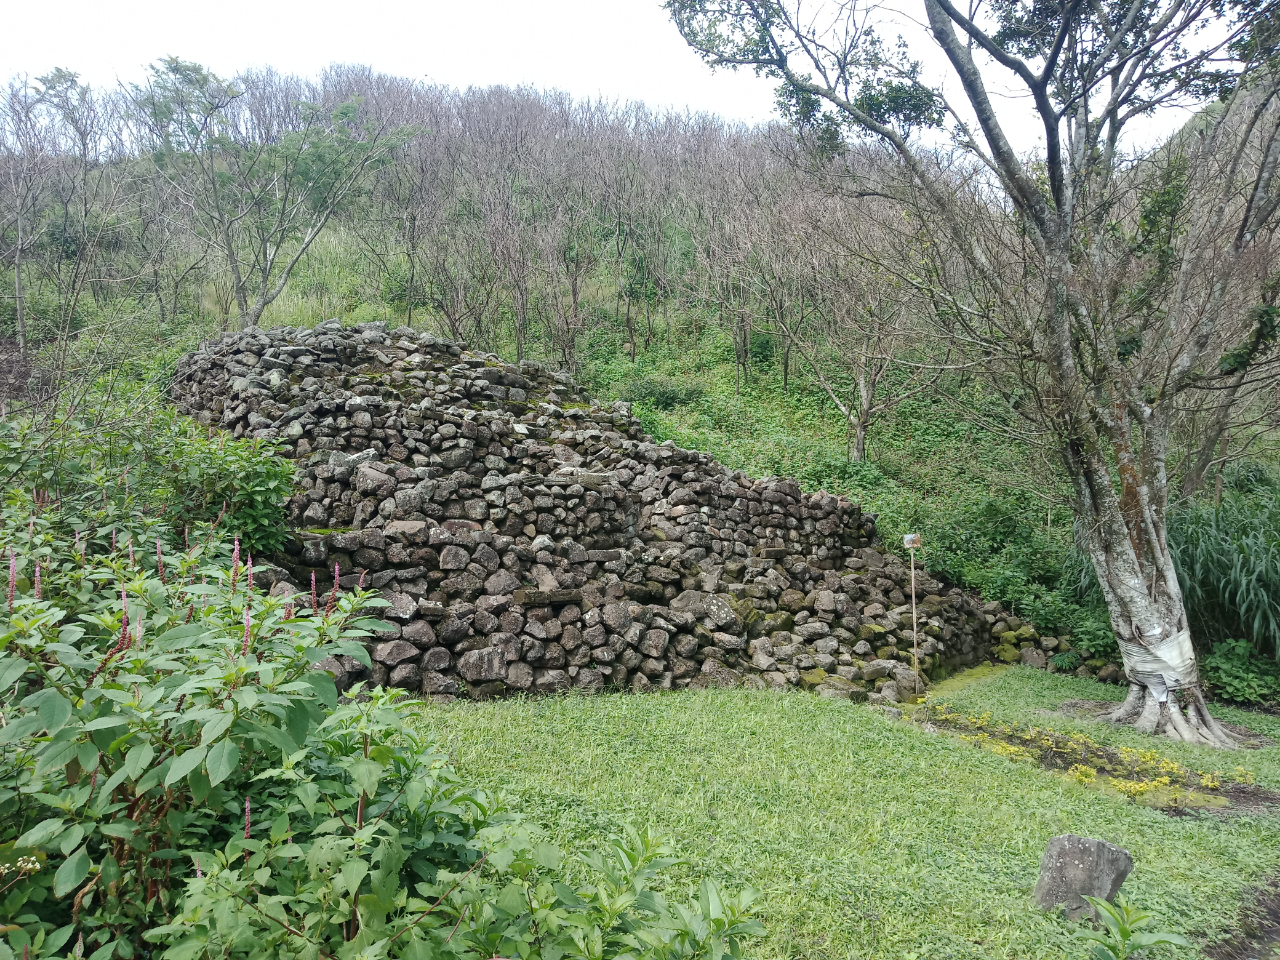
x: 20, y: 315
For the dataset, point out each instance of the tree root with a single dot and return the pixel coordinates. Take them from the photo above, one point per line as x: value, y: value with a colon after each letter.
x: 1182, y: 716
x: 1131, y: 707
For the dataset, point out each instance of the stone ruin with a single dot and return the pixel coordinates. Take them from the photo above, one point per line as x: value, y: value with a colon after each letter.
x: 528, y: 538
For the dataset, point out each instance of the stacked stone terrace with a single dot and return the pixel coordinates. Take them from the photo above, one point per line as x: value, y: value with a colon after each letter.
x: 528, y: 538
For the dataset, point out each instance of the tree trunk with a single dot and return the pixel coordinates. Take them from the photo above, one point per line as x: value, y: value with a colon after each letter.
x: 1127, y: 543
x: 20, y: 314
x: 860, y: 441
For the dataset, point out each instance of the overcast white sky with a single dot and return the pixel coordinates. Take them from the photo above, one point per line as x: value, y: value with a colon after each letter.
x: 619, y: 49
x: 624, y: 49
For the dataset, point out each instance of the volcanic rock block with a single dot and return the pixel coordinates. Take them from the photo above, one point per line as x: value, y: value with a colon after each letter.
x: 481, y: 666
x: 1075, y: 867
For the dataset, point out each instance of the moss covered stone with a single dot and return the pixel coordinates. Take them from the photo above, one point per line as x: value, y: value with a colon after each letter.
x: 811, y: 678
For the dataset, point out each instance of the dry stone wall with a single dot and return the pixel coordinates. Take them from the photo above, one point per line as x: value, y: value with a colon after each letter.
x: 528, y: 538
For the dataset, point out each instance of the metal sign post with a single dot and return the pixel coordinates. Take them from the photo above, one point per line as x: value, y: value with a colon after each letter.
x: 911, y: 541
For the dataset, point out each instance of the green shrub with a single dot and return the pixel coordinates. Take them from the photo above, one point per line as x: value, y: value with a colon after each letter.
x: 163, y: 468
x: 144, y: 692
x: 1123, y: 933
x: 661, y: 392
x: 375, y: 849
x: 243, y: 481
x: 1233, y: 671
x: 1096, y: 639
x: 173, y: 769
x: 1067, y: 661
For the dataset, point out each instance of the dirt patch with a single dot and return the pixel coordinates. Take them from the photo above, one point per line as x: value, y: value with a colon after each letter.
x: 1095, y: 709
x: 1258, y: 937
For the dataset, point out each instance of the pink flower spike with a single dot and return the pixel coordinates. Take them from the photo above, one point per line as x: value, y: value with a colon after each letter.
x: 248, y: 580
x: 235, y: 566
x: 37, y: 580
x: 13, y: 576
x: 244, y: 647
x: 132, y: 561
x: 315, y: 600
x: 159, y: 561
x: 246, y: 818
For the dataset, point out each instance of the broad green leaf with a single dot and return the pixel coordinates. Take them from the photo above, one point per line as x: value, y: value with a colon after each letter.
x: 57, y: 939
x: 511, y: 899
x: 198, y: 780
x: 71, y: 839
x: 151, y: 778
x: 1140, y: 940
x: 547, y: 856
x: 366, y: 774
x: 55, y: 711
x: 72, y: 873
x: 113, y: 781
x: 353, y: 873
x: 217, y: 727
x: 183, y: 764
x: 138, y: 759
x: 326, y: 690
x: 222, y: 759
x: 105, y: 723
x: 41, y: 833
x: 70, y: 633
x: 11, y: 671
x: 22, y: 728
x: 274, y: 736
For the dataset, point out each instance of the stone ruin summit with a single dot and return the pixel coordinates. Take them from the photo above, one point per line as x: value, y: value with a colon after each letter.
x: 528, y: 538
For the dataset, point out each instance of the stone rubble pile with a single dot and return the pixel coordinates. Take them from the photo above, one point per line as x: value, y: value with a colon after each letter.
x: 527, y: 538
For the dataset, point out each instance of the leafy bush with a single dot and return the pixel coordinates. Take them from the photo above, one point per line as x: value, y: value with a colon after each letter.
x: 661, y: 392
x: 1233, y: 671
x: 144, y: 693
x: 243, y: 478
x: 375, y: 849
x: 1096, y: 639
x: 164, y: 468
x: 988, y: 546
x: 1067, y: 661
x: 173, y: 769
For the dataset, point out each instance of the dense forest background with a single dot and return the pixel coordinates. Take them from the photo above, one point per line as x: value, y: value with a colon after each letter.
x: 746, y: 288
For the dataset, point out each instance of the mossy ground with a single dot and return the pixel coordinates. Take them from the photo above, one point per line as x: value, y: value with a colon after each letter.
x: 869, y: 838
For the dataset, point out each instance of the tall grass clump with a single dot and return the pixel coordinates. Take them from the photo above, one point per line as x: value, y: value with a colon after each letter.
x: 1228, y: 562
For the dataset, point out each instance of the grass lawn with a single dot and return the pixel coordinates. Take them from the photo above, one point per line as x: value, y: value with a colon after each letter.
x: 868, y: 838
